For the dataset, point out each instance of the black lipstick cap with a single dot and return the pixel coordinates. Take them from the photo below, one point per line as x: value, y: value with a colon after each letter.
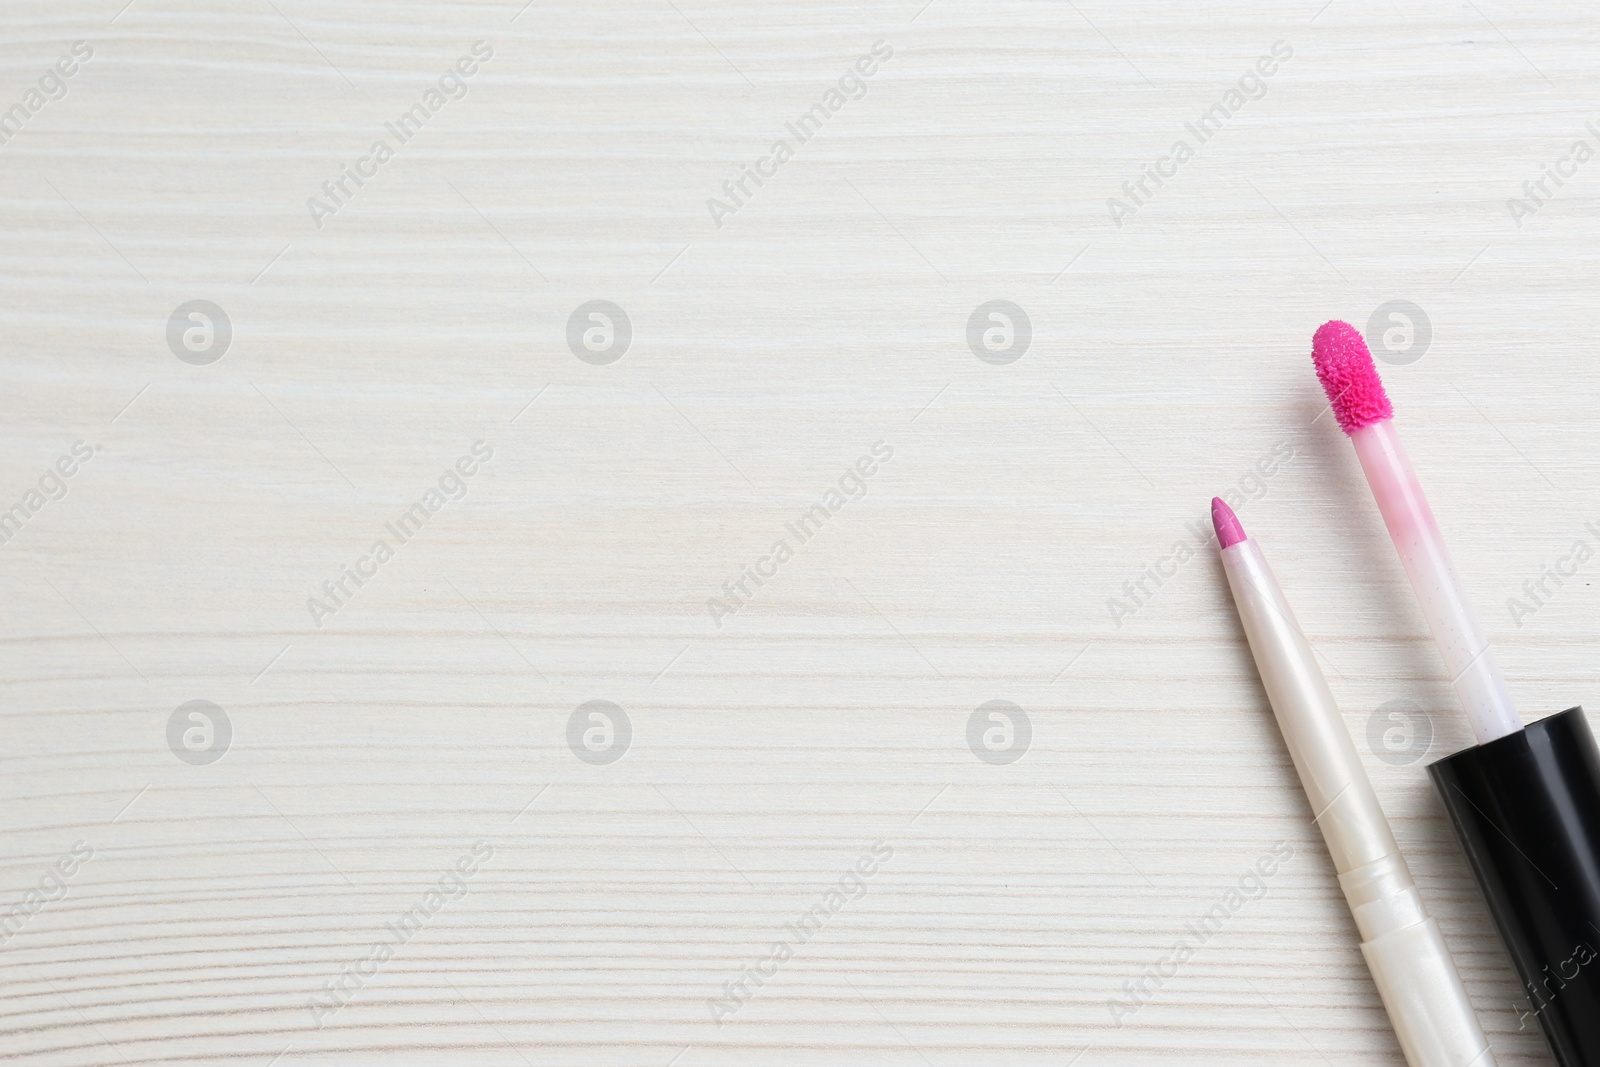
x: 1526, y: 808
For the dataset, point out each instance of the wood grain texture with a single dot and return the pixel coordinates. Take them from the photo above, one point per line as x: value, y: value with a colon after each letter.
x: 373, y: 748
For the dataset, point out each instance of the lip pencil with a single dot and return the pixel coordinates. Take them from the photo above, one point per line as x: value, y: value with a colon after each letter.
x: 1405, y: 952
x: 1525, y: 801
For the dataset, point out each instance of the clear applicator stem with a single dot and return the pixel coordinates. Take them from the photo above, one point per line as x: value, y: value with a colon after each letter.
x: 1415, y: 533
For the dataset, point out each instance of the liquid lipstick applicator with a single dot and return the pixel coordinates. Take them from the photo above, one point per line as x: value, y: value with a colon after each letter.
x: 1525, y: 801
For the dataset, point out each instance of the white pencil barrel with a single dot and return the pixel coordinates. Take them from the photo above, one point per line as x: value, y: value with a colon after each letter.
x: 1410, y: 964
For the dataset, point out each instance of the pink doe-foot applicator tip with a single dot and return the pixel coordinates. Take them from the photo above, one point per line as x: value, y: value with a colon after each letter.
x: 1345, y: 368
x: 1229, y: 532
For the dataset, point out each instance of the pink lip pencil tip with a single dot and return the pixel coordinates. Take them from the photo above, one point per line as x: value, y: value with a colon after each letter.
x: 1229, y: 532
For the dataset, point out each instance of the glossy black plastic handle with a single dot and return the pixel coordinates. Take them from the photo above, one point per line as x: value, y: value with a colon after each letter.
x: 1526, y: 808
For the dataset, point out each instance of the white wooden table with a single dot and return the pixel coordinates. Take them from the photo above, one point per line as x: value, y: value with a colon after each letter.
x: 260, y: 875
